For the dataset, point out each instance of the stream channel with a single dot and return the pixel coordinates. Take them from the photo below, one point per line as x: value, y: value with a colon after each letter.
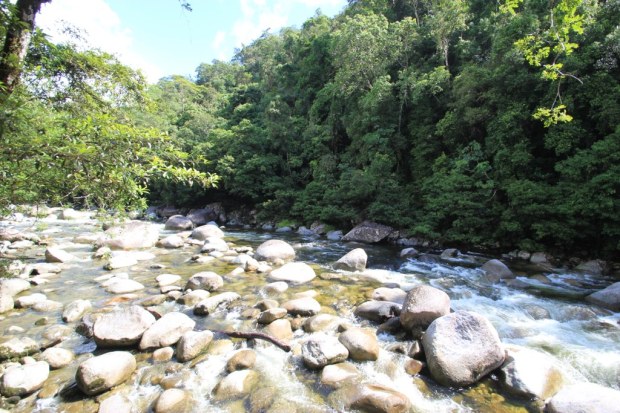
x: 549, y: 316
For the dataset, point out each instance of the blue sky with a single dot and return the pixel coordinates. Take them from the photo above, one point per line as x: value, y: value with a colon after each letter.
x: 160, y: 38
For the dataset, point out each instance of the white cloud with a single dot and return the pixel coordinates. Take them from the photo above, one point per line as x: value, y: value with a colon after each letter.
x: 100, y: 26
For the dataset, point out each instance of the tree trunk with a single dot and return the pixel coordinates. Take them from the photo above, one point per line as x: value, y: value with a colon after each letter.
x: 16, y: 42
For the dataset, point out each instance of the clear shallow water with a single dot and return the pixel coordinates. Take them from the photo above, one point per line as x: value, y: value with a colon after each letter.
x: 547, y: 315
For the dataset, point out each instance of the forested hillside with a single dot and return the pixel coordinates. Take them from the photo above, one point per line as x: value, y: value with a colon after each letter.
x: 472, y: 122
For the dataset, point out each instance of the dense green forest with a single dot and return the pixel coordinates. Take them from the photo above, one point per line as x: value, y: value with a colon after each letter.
x: 471, y: 122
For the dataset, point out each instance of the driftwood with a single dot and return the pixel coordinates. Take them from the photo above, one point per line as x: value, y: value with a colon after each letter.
x: 256, y: 335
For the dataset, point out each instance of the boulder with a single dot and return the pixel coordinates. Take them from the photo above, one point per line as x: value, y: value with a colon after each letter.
x: 27, y: 301
x: 241, y: 360
x: 334, y: 235
x: 461, y: 348
x: 449, y: 253
x: 270, y: 315
x: 57, y: 357
x: 585, y: 398
x: 209, y: 305
x: 174, y: 401
x: 166, y: 331
x: 193, y: 297
x: 199, y: 216
x: 409, y: 252
x: 120, y: 261
x: 496, y: 270
x: 206, y: 231
x: 530, y: 374
x: 237, y: 384
x: 178, y: 223
x: 131, y: 235
x: 395, y: 295
x: 123, y: 327
x: 18, y: 347
x: 171, y: 241
x: 123, y: 286
x: 368, y: 232
x: 338, y: 375
x: 101, y: 373
x: 354, y: 260
x: 378, y: 311
x: 206, y: 280
x: 24, y: 379
x: 116, y: 403
x: 13, y: 286
x: 321, y: 322
x: 319, y: 351
x: 422, y: 305
x: 75, y: 310
x: 302, y: 306
x: 542, y: 260
x: 275, y: 250
x: 369, y: 398
x: 6, y: 302
x: 54, y: 254
x: 594, y: 267
x: 192, y: 343
x: 362, y: 344
x: 295, y: 272
x: 608, y: 298
x: 280, y: 329
x: 213, y: 244
x: 167, y: 279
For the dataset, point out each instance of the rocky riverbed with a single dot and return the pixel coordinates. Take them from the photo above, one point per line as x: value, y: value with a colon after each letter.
x: 179, y: 316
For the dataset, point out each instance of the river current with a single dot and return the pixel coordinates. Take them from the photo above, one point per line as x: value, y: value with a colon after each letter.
x: 543, y: 311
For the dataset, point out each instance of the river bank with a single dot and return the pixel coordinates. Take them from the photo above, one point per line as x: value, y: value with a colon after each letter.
x: 542, y: 315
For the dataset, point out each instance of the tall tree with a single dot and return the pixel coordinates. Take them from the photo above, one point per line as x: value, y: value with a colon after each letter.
x: 16, y: 42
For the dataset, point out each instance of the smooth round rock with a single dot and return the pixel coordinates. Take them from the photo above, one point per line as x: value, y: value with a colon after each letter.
x: 295, y: 272
x: 362, y: 344
x: 354, y: 260
x: 75, y: 310
x: 205, y: 231
x: 302, y: 306
x: 321, y: 351
x: 101, y: 373
x: 241, y: 360
x: 173, y: 401
x: 24, y: 379
x: 57, y: 357
x: 423, y: 304
x: 192, y: 343
x: 166, y: 331
x: 461, y: 348
x: 274, y: 250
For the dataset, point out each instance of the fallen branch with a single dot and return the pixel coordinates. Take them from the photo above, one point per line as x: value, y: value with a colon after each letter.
x: 256, y: 335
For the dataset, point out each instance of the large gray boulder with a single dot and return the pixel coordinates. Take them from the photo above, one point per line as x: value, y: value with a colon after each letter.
x: 461, y: 348
x: 25, y: 379
x: 166, y: 331
x: 530, y: 374
x: 178, y: 223
x: 362, y: 344
x: 131, y: 235
x: 206, y: 231
x: 275, y: 250
x: 354, y: 260
x: 607, y: 298
x: 423, y: 304
x: 319, y: 351
x: 123, y: 327
x: 594, y: 267
x: 585, y: 398
x: 101, y: 373
x: 378, y: 311
x: 205, y: 280
x: 496, y: 270
x: 368, y: 232
x: 295, y: 272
